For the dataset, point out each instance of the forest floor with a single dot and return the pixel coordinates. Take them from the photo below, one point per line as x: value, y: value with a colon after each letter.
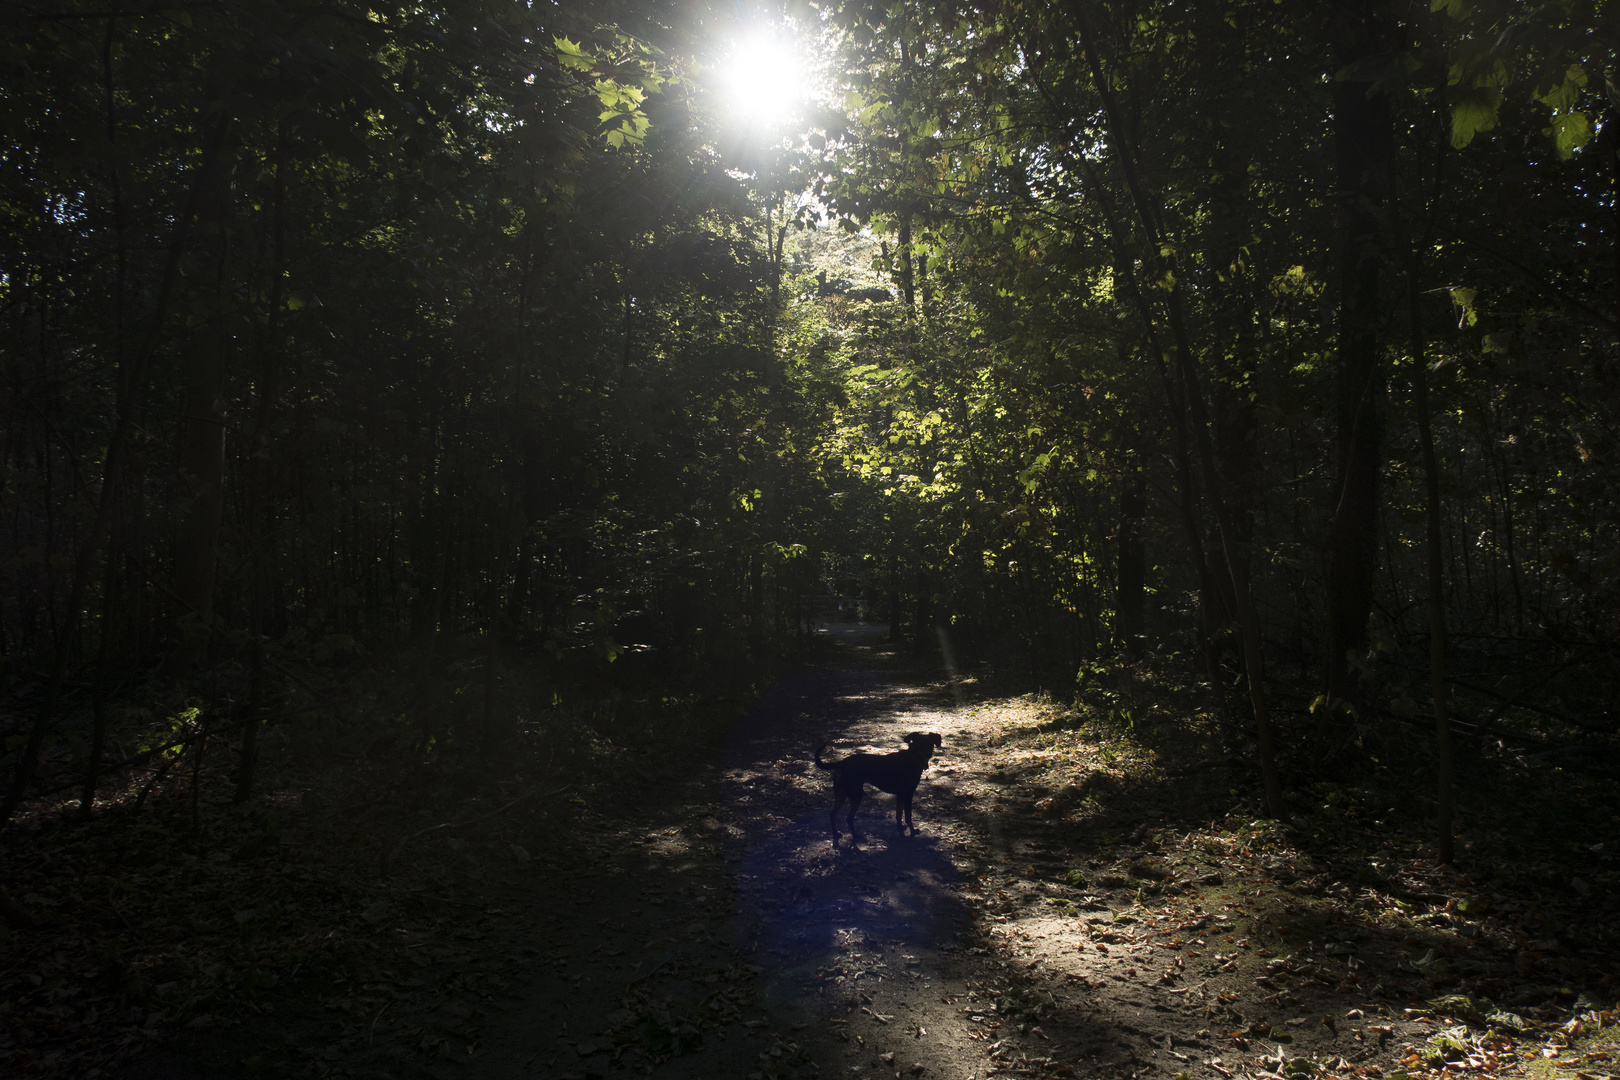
x: 1085, y: 897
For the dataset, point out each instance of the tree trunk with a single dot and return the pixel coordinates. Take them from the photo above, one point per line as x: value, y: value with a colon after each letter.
x: 1504, y: 477
x: 110, y: 592
x: 1363, y: 143
x: 1439, y: 689
x: 489, y: 737
x: 919, y: 632
x: 202, y: 470
x: 258, y: 527
x: 1132, y: 583
x: 201, y: 438
x: 110, y: 596
x: 894, y: 591
x: 1434, y: 522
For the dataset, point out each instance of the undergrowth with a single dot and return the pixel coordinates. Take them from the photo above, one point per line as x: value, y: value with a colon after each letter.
x: 409, y: 792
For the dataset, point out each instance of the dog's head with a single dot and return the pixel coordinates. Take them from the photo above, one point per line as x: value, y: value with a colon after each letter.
x: 923, y: 742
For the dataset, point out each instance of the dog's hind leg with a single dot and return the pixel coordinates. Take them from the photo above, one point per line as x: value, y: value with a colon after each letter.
x: 854, y: 805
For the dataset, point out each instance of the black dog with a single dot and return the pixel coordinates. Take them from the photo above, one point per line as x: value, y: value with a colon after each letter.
x: 897, y: 773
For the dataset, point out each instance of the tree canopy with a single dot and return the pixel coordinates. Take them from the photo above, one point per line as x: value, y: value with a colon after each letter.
x: 1270, y: 343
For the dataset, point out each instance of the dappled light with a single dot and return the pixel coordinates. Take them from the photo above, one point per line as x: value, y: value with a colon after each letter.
x: 772, y: 541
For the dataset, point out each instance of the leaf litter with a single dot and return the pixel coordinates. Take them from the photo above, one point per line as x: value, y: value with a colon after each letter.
x: 1115, y: 913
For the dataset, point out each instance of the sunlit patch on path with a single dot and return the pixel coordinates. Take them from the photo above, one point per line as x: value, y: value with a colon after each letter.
x: 1067, y: 907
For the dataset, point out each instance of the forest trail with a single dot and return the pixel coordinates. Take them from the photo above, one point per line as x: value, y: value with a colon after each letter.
x: 1069, y: 907
x: 725, y: 936
x: 718, y: 933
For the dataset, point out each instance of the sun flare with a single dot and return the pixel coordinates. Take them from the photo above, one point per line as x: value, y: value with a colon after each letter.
x: 764, y: 79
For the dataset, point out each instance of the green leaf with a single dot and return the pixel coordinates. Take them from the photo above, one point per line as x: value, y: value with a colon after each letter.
x: 1570, y: 132
x: 571, y: 55
x: 1475, y: 110
x: 1464, y: 299
x: 1563, y: 95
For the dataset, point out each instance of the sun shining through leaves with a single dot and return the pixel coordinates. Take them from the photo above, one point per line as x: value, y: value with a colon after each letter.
x: 764, y: 80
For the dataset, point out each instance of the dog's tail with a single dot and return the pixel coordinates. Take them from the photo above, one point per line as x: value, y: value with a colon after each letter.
x: 817, y: 755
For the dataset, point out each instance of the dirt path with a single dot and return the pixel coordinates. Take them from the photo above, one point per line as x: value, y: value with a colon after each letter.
x: 727, y: 937
x: 707, y: 927
x: 717, y: 932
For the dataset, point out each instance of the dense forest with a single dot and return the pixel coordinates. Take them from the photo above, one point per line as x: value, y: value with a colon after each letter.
x: 1276, y: 342
x: 451, y: 396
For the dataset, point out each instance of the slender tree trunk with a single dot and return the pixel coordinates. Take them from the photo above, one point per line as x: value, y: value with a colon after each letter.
x: 259, y: 480
x: 520, y: 484
x: 919, y: 632
x: 1491, y: 487
x: 489, y: 736
x: 202, y: 469
x: 1504, y: 476
x: 908, y: 281
x: 1439, y: 689
x: 98, y: 694
x: 110, y: 578
x: 894, y: 590
x: 756, y: 599
x: 1434, y: 509
x: 1131, y: 593
x: 201, y: 438
x: 1363, y: 144
x: 1464, y: 530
